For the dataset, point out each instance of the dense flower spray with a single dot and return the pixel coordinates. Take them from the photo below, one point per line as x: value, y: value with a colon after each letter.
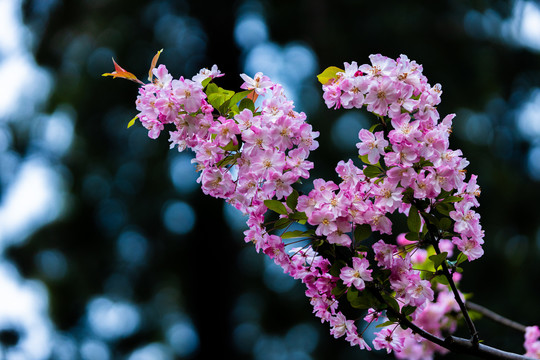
x: 361, y: 268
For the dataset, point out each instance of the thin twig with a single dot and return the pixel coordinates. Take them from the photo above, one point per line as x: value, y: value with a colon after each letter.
x: 495, y: 317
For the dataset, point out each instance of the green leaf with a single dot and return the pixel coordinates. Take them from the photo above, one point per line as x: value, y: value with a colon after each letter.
x: 452, y: 199
x: 132, y: 121
x: 362, y: 232
x: 293, y: 234
x: 408, y: 195
x: 364, y: 159
x: 217, y: 96
x: 412, y: 236
x: 211, y: 88
x: 231, y: 159
x: 296, y: 216
x: 246, y: 103
x: 224, y: 108
x: 339, y: 289
x: 432, y: 219
x: 438, y: 259
x: 385, y: 324
x: 292, y: 200
x: 444, y: 208
x: 413, y: 221
x: 371, y: 171
x: 281, y: 223
x: 206, y: 81
x: 408, y: 310
x: 374, y: 127
x: 335, y: 270
x: 352, y: 294
x: 328, y: 74
x: 239, y: 96
x: 276, y: 206
x: 391, y: 302
x: 231, y: 146
x: 361, y: 248
x: 392, y: 317
x: 461, y: 258
x: 362, y: 300
x: 441, y: 279
x: 445, y: 223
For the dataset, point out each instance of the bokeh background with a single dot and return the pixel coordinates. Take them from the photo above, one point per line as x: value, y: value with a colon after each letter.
x: 109, y: 250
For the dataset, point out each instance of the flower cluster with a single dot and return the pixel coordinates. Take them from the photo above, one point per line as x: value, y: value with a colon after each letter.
x: 244, y: 156
x: 251, y: 147
x: 532, y: 342
x: 416, y: 160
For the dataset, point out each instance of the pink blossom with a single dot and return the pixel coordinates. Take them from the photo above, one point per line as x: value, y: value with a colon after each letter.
x: 354, y: 339
x: 260, y: 83
x: 307, y: 137
x: 380, y: 95
x: 340, y: 236
x: 297, y: 163
x: 384, y: 253
x: 371, y: 145
x: 340, y: 325
x: 372, y: 315
x: 467, y: 220
x: 279, y: 184
x: 324, y: 220
x: 532, y: 344
x: 245, y: 119
x: 268, y: 160
x: 332, y: 95
x: 225, y: 131
x: 189, y: 94
x: 471, y: 247
x: 357, y: 275
x: 419, y: 291
x: 154, y: 127
x: 380, y: 66
x: 204, y: 73
x: 353, y: 91
x: 386, y: 339
x: 163, y: 78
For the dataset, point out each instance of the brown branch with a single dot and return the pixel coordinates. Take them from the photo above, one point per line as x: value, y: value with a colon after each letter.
x: 452, y: 343
x: 482, y: 351
x: 495, y: 317
x: 434, y: 233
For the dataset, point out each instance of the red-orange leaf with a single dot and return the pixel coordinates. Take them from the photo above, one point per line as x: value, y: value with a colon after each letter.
x: 121, y: 73
x: 253, y: 96
x: 154, y: 62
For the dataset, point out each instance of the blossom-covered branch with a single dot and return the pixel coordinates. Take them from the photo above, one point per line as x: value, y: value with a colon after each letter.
x: 350, y: 249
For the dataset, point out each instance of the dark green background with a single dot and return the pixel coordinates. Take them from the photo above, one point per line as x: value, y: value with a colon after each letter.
x: 480, y: 73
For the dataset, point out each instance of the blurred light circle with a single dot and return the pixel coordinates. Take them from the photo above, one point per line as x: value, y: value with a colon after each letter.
x: 183, y: 174
x: 154, y: 351
x: 345, y: 130
x: 94, y: 350
x: 179, y: 217
x: 132, y: 247
x: 183, y: 338
x: 275, y: 279
x: 302, y: 337
x: 250, y: 30
x: 52, y: 264
x: 533, y: 163
x: 112, y: 320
